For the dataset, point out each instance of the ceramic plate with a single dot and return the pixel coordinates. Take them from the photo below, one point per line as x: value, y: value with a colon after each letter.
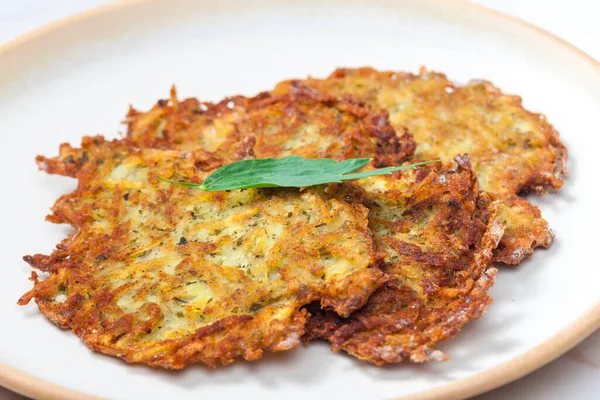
x: 78, y: 77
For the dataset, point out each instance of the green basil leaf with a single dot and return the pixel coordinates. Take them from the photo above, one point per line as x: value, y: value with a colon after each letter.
x: 291, y: 171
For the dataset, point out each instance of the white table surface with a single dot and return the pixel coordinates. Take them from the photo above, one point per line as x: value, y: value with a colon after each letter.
x: 576, y: 375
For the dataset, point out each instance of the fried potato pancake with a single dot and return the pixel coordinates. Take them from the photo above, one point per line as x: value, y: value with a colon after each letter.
x: 512, y: 150
x: 169, y: 275
x: 437, y: 233
x: 302, y: 123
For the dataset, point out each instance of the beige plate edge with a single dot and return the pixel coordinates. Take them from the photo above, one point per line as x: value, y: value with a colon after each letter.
x: 25, y: 384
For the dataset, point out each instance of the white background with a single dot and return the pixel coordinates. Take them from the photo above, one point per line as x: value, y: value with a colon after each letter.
x: 576, y: 375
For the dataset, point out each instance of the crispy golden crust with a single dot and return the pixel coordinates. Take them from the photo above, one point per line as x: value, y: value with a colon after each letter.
x: 513, y: 151
x: 169, y: 275
x: 301, y: 123
x: 524, y: 230
x: 437, y: 235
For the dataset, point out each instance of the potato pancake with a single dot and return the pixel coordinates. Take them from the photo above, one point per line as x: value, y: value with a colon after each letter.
x: 169, y: 275
x: 434, y: 228
x: 512, y: 150
x: 301, y: 123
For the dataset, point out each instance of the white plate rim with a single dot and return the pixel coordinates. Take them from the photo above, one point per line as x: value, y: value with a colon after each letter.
x: 515, y: 368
